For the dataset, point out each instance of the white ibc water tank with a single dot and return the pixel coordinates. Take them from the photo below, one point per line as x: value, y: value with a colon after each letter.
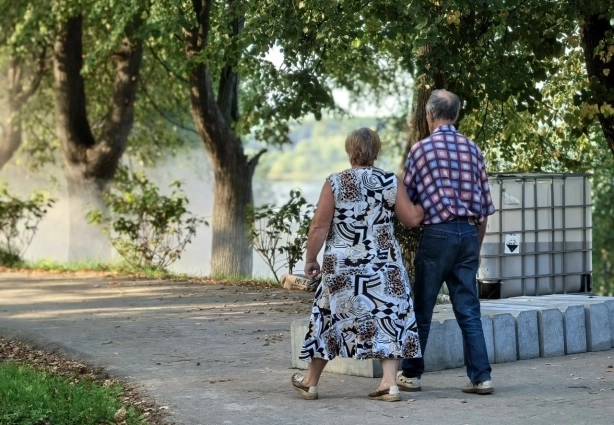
x: 539, y: 241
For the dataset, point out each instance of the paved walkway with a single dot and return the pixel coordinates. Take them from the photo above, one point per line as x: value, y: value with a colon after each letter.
x: 221, y: 355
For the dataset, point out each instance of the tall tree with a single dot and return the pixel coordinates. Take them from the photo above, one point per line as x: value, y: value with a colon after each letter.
x: 91, y: 162
x: 214, y: 116
x: 237, y: 93
x: 597, y: 35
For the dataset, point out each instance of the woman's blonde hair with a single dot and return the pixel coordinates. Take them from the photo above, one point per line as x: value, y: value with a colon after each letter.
x: 362, y: 146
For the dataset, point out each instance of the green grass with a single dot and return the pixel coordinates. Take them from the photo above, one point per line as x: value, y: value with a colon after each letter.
x: 123, y: 269
x: 259, y: 280
x: 32, y: 397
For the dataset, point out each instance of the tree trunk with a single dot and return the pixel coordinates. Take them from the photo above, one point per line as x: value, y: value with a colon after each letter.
x: 232, y: 254
x: 213, y: 117
x: 12, y: 133
x: 594, y: 29
x: 233, y: 194
x: 85, y: 241
x: 90, y: 163
x: 417, y: 125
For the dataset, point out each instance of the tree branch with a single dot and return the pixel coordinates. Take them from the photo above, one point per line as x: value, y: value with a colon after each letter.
x: 253, y: 162
x: 166, y: 67
x: 41, y: 69
x: 164, y: 115
x: 117, y: 127
x: 228, y: 96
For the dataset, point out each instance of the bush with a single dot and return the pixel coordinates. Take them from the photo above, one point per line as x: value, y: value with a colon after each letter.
x: 149, y: 230
x: 19, y: 220
x: 281, y: 232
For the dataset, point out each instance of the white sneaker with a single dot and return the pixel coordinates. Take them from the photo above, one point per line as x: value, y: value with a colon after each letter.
x: 485, y: 387
x: 408, y: 384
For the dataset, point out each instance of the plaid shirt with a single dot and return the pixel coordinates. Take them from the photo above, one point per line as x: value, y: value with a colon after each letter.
x: 445, y: 172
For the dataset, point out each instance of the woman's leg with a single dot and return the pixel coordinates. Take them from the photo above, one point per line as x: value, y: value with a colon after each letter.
x: 389, y: 369
x: 314, y: 370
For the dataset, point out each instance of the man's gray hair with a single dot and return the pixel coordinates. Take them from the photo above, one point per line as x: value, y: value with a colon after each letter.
x: 444, y: 105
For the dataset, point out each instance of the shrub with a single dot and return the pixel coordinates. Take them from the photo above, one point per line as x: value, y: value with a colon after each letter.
x: 19, y: 220
x: 148, y: 230
x: 281, y: 231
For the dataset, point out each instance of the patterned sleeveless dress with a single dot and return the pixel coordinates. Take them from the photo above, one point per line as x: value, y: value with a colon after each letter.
x: 363, y: 307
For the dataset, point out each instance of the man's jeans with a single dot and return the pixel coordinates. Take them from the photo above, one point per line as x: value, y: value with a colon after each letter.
x: 450, y: 252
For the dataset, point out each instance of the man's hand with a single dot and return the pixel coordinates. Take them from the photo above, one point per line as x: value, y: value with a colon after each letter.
x: 312, y: 269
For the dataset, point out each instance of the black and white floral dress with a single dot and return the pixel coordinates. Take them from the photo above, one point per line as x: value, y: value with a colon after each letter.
x: 362, y: 308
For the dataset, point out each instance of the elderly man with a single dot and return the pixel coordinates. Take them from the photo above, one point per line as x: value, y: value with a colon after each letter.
x: 445, y: 173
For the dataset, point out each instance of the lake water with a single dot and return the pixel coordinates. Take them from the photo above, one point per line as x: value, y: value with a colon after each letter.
x: 51, y: 240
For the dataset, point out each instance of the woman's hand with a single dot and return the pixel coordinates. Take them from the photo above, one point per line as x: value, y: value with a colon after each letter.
x: 312, y: 269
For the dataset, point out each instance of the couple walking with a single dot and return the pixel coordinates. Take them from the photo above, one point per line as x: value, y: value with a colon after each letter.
x: 363, y: 307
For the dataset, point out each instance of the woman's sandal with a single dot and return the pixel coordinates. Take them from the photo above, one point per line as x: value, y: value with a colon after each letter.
x: 308, y: 393
x: 390, y: 394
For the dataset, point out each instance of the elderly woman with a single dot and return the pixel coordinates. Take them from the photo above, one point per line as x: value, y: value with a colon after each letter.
x: 362, y: 307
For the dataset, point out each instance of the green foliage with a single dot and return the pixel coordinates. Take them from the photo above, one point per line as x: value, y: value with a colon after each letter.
x: 148, y: 229
x: 603, y: 225
x: 19, y: 220
x: 318, y: 149
x: 281, y: 231
x: 31, y: 397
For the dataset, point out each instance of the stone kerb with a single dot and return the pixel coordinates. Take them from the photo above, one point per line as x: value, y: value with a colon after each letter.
x: 574, y: 324
x: 527, y: 335
x: 551, y: 335
x: 610, y: 305
x: 489, y: 337
x: 504, y: 330
x: 454, y: 344
x: 598, y: 331
x: 513, y: 329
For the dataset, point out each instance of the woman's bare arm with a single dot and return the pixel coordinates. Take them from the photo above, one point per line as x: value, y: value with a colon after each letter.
x: 409, y: 214
x: 320, y: 225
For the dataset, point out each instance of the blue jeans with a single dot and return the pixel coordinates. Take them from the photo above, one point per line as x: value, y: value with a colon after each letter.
x: 449, y: 252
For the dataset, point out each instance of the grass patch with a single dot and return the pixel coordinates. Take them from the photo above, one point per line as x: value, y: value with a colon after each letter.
x: 265, y: 281
x: 123, y: 269
x: 33, y: 397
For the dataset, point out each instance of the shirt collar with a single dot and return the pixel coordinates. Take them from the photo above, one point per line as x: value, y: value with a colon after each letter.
x: 444, y: 128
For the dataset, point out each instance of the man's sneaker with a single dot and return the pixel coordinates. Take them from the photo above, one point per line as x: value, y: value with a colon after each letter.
x: 408, y: 384
x: 485, y: 387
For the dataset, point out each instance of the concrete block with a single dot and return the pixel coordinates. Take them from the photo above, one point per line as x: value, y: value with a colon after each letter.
x: 598, y: 332
x: 574, y: 324
x: 489, y: 337
x: 298, y: 330
x: 551, y: 334
x: 504, y: 329
x: 610, y: 305
x: 366, y: 368
x: 435, y: 356
x: 527, y: 335
x: 453, y: 338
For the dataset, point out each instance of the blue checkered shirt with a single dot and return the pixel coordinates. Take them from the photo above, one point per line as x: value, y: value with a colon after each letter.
x: 445, y: 173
